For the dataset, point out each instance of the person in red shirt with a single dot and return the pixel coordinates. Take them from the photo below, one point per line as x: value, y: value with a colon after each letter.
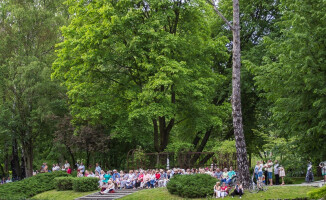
x: 224, y: 190
x: 69, y: 170
x: 157, y: 175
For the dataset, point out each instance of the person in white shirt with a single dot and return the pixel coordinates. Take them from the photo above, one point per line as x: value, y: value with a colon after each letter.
x: 260, y: 170
x: 67, y: 165
x: 109, y: 188
x: 270, y: 172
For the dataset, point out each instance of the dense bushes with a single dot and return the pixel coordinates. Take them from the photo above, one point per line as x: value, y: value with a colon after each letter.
x: 63, y: 183
x: 318, y: 193
x: 85, y: 184
x: 192, y: 186
x: 30, y: 186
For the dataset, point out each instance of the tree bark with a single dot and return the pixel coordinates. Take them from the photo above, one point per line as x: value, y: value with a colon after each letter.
x: 242, y: 160
x: 28, y: 157
x: 156, y: 140
x: 201, y: 146
x: 16, y: 172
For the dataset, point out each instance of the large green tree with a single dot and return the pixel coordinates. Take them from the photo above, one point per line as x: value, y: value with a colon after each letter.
x: 142, y: 67
x: 292, y: 76
x: 28, y: 33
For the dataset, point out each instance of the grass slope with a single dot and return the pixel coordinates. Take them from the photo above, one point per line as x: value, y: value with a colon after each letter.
x: 277, y: 192
x: 61, y: 195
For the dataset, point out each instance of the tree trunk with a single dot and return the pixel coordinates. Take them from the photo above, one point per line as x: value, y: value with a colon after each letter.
x: 16, y: 172
x: 28, y: 157
x: 156, y: 140
x: 72, y: 157
x: 201, y: 146
x: 242, y: 160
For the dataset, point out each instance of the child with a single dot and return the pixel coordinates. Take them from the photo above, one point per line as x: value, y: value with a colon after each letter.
x: 282, y: 174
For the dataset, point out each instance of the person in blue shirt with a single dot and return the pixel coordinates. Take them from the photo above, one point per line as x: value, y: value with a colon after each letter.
x: 116, y: 175
x: 98, y: 168
x: 231, y: 174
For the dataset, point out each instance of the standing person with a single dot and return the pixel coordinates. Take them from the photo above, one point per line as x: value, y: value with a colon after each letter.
x: 276, y: 172
x: 309, y: 175
x: 67, y: 165
x: 270, y: 172
x: 98, y: 168
x: 231, y: 174
x: 256, y: 170
x: 260, y: 170
x: 282, y: 173
x: 322, y: 165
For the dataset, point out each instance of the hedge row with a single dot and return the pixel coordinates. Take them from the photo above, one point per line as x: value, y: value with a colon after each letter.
x: 30, y: 186
x: 83, y: 184
x: 318, y: 193
x: 192, y: 186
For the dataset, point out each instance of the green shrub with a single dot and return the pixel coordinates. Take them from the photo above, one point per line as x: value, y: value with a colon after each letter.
x: 63, y: 183
x: 85, y: 184
x: 317, y: 193
x: 192, y: 186
x: 30, y: 186
x: 287, y: 180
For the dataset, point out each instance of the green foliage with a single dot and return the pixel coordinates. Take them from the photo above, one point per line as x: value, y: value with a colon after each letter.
x: 225, y: 147
x: 85, y: 184
x: 292, y: 77
x: 64, y: 183
x: 30, y: 186
x: 318, y: 193
x: 192, y: 186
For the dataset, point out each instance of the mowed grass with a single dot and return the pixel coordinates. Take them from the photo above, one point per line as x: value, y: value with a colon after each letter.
x: 275, y: 192
x: 61, y: 195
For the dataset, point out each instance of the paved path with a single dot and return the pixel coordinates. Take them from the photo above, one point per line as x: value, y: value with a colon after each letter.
x: 109, y: 196
x: 313, y: 184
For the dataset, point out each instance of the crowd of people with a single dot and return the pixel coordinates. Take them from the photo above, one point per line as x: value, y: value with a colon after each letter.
x: 264, y: 172
x: 5, y: 180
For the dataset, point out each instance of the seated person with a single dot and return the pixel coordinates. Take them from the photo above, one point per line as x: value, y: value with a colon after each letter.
x: 109, y: 188
x: 224, y: 175
x: 231, y: 174
x: 238, y: 190
x: 224, y: 190
x: 217, y: 190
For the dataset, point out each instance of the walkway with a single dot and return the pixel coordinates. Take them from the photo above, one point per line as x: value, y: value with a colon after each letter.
x: 109, y: 196
x: 313, y: 184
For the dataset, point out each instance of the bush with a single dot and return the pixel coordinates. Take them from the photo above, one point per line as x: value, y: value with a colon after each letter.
x: 63, y: 183
x: 85, y: 184
x: 30, y: 186
x: 317, y: 193
x: 192, y: 186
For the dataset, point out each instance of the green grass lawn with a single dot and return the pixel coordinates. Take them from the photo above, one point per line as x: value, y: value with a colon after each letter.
x: 283, y: 192
x: 61, y: 195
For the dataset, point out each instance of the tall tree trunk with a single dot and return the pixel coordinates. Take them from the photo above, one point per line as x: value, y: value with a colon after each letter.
x: 28, y: 157
x: 156, y: 139
x: 16, y: 172
x: 72, y: 165
x: 242, y: 160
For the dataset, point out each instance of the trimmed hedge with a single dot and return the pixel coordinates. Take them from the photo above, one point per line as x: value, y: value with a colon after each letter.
x: 192, y: 186
x: 30, y: 186
x: 317, y: 193
x: 85, y: 184
x: 63, y: 183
